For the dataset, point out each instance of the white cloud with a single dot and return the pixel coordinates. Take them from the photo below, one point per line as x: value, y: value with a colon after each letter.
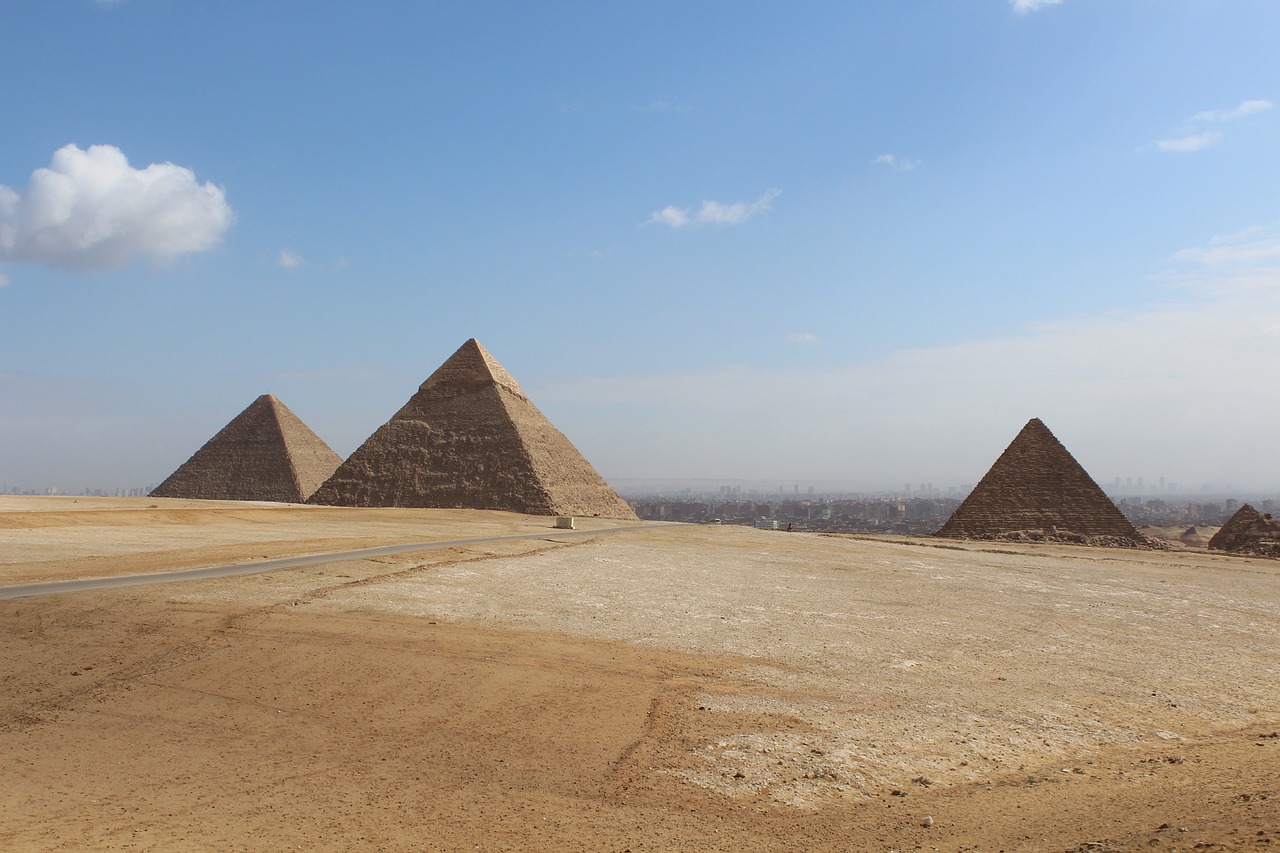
x: 905, y: 164
x: 674, y: 216
x: 289, y: 260
x: 803, y: 339
x: 4, y: 280
x: 1173, y: 389
x: 90, y: 210
x: 1024, y: 6
x: 1194, y: 139
x: 1245, y: 108
x: 740, y: 211
x: 1189, y: 143
x: 714, y: 212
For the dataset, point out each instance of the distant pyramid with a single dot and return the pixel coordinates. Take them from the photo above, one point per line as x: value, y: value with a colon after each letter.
x: 1232, y: 534
x: 470, y: 438
x: 1250, y: 532
x: 265, y: 454
x: 1037, y: 485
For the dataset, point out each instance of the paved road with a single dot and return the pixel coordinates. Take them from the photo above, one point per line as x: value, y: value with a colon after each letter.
x: 84, y: 584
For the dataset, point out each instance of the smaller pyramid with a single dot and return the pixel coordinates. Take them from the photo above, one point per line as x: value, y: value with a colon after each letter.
x: 470, y: 438
x: 1231, y: 534
x: 1037, y: 485
x: 1249, y: 531
x: 265, y: 454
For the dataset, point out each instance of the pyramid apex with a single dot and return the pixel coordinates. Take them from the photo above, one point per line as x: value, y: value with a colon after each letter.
x: 472, y: 363
x: 268, y: 400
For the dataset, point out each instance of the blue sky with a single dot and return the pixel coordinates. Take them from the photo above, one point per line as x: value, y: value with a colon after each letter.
x: 851, y: 242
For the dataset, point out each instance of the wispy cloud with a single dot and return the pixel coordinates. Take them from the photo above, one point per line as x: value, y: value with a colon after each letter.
x: 90, y: 210
x: 1022, y: 7
x: 1189, y: 143
x: 1246, y: 108
x: 4, y: 280
x: 738, y: 212
x: 1236, y: 255
x: 676, y: 217
x: 1193, y: 137
x: 893, y: 161
x: 803, y: 339
x: 714, y: 212
x: 289, y: 260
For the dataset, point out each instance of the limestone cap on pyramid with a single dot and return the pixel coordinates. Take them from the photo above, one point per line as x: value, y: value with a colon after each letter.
x: 471, y: 363
x: 266, y: 453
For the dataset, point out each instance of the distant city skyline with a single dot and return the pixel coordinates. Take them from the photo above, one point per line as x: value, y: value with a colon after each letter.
x: 861, y: 243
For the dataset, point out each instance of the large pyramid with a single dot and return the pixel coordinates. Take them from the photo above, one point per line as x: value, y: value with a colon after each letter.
x: 265, y: 454
x: 470, y: 438
x: 1037, y: 485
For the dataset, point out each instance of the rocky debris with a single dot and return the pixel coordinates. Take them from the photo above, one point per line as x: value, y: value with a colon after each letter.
x: 1036, y: 485
x: 1066, y: 537
x: 266, y: 453
x: 470, y: 439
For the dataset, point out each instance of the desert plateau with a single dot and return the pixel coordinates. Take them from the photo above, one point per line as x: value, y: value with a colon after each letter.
x: 626, y: 687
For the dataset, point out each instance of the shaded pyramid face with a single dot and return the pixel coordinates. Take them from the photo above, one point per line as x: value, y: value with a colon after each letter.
x: 265, y: 454
x: 470, y: 438
x: 1035, y: 485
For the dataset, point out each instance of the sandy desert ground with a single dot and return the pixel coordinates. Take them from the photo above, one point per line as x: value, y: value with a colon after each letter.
x: 663, y: 688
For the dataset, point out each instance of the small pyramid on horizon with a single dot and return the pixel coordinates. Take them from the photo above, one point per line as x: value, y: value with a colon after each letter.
x: 1232, y: 533
x: 470, y: 439
x: 1250, y: 532
x: 1037, y: 485
x: 266, y: 453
